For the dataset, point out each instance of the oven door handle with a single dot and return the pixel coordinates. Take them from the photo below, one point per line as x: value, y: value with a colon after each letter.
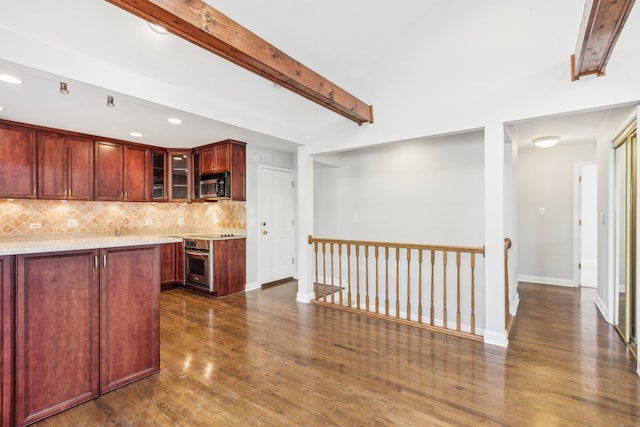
x: 200, y: 254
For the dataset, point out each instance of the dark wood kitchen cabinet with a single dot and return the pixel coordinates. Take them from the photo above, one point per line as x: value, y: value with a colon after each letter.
x: 228, y: 155
x: 109, y: 176
x: 86, y: 322
x: 180, y: 176
x: 18, y: 159
x: 229, y: 261
x: 57, y: 331
x: 172, y: 265
x: 159, y: 190
x: 6, y: 339
x: 122, y: 172
x: 65, y: 167
x: 130, y: 315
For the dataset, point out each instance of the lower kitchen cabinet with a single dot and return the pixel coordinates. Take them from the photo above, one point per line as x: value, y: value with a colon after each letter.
x: 229, y: 266
x: 172, y: 265
x: 86, y: 323
x: 130, y: 320
x: 57, y: 348
x: 6, y: 339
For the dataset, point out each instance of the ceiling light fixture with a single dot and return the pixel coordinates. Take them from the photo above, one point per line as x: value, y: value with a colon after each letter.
x: 1, y: 108
x: 63, y: 88
x: 10, y: 79
x: 110, y: 102
x: 158, y: 29
x: 136, y: 134
x: 174, y: 121
x: 546, y: 141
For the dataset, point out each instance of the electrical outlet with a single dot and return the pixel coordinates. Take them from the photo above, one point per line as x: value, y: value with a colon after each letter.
x: 148, y: 221
x: 35, y: 225
x: 72, y: 223
x: 180, y: 221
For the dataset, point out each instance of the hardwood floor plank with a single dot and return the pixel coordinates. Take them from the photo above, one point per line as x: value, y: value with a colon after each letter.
x: 262, y: 359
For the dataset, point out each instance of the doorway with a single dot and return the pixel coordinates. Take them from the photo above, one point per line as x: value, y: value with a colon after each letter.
x: 625, y: 205
x: 277, y: 226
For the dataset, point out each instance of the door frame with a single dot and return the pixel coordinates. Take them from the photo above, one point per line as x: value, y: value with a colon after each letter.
x: 262, y: 167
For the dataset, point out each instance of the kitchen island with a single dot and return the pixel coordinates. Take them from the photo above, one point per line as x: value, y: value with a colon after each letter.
x: 80, y: 317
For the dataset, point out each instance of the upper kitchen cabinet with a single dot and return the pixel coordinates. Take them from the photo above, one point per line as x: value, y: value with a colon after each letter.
x: 179, y: 176
x: 228, y: 155
x: 122, y: 172
x: 65, y: 167
x: 159, y: 176
x: 214, y: 159
x: 18, y: 160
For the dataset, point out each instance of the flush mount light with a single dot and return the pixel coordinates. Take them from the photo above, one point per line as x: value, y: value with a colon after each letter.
x: 136, y: 134
x: 10, y: 79
x: 174, y: 121
x: 63, y: 88
x: 1, y: 108
x: 546, y: 141
x: 110, y: 102
x: 158, y: 28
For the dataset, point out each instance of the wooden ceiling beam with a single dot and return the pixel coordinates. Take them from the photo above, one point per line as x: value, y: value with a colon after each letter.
x: 602, y: 22
x: 202, y: 25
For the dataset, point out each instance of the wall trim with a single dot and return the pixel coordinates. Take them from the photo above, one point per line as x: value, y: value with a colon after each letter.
x: 516, y: 303
x: 602, y: 307
x: 252, y: 286
x: 547, y: 281
x: 496, y: 338
x: 305, y: 298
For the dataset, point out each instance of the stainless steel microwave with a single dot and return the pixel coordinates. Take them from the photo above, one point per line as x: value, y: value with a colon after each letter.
x: 215, y: 186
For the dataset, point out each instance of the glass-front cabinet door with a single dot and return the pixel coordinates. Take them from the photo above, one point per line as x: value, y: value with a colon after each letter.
x: 179, y: 186
x: 159, y: 190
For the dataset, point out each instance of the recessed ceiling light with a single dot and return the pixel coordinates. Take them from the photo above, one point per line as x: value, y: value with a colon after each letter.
x: 136, y: 134
x: 10, y: 79
x: 158, y: 28
x: 1, y: 108
x: 546, y: 141
x: 174, y: 121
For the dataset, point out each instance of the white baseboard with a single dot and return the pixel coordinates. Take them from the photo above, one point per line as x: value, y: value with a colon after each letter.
x: 495, y: 338
x: 514, y: 307
x: 306, y: 298
x: 252, y: 286
x: 546, y: 280
x: 603, y: 309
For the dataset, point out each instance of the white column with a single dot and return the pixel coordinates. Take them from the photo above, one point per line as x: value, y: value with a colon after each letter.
x: 495, y: 328
x: 304, y: 181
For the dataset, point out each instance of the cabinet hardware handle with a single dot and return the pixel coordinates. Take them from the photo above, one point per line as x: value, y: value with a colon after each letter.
x: 104, y: 260
x: 95, y: 261
x: 34, y: 190
x: 69, y: 193
x: 65, y: 191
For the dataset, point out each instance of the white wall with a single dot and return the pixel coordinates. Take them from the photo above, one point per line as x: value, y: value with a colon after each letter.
x: 257, y: 155
x: 422, y: 191
x: 545, y: 181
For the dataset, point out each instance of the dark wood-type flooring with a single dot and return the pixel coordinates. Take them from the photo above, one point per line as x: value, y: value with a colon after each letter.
x: 262, y: 359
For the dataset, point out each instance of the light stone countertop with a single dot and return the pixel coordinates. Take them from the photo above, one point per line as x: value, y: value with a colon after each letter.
x: 31, y: 246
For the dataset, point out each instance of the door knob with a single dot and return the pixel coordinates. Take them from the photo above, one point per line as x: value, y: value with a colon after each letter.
x: 265, y: 232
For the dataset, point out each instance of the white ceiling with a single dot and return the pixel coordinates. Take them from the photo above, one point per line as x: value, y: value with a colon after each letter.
x: 100, y: 50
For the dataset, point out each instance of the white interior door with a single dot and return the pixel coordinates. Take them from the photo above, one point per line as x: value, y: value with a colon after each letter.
x: 277, y: 225
x: 589, y: 226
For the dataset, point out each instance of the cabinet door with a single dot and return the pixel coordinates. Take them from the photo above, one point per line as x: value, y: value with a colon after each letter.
x: 238, y: 172
x: 229, y: 266
x: 136, y: 174
x: 207, y: 161
x: 158, y: 176
x: 179, y: 175
x: 130, y: 315
x: 180, y: 263
x: 52, y: 166
x: 80, y: 170
x: 18, y: 160
x: 6, y: 340
x: 167, y: 263
x: 108, y: 172
x: 221, y: 157
x: 57, y: 315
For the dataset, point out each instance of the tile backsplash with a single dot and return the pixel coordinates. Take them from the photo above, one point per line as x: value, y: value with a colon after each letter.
x: 17, y: 216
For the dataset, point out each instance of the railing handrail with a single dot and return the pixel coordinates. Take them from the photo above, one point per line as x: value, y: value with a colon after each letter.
x: 447, y: 248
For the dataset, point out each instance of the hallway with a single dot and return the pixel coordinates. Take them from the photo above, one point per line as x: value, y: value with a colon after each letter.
x: 260, y: 358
